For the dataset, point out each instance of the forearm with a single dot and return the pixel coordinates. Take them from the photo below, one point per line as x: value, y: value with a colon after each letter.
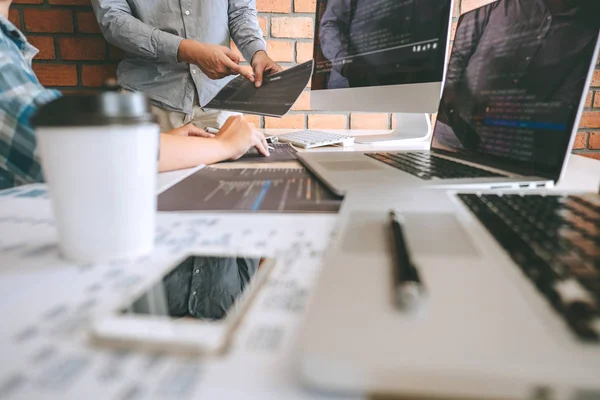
x: 189, y: 51
x: 123, y: 30
x: 179, y: 152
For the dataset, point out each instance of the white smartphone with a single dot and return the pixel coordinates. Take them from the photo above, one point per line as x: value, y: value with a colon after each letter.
x: 171, y: 316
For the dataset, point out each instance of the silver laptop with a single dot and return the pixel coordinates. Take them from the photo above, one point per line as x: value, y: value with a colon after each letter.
x: 512, y: 309
x: 511, y: 105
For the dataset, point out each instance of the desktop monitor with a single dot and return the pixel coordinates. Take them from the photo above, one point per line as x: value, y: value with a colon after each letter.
x: 380, y: 55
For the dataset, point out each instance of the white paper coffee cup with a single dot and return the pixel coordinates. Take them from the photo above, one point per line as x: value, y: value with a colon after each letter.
x: 101, y: 176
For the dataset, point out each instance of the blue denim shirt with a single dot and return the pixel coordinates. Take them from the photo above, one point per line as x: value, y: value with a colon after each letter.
x: 150, y: 31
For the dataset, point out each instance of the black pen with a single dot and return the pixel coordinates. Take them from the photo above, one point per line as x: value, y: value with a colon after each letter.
x: 408, y: 289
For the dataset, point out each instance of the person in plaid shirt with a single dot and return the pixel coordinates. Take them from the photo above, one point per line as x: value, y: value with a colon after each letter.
x: 21, y: 94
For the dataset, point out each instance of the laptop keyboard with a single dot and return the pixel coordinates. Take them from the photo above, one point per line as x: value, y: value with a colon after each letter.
x: 428, y: 166
x: 555, y: 240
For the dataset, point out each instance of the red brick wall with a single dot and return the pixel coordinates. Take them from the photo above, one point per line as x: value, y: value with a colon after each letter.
x: 74, y: 57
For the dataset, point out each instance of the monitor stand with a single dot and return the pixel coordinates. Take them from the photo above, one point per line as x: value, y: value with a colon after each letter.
x: 409, y: 127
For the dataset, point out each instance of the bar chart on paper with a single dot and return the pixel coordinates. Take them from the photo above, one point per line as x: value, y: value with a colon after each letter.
x: 254, y: 190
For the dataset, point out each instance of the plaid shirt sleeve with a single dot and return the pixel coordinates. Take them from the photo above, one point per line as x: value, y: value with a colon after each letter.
x: 20, y: 95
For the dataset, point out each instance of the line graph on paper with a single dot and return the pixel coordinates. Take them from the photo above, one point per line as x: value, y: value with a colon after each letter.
x: 256, y: 190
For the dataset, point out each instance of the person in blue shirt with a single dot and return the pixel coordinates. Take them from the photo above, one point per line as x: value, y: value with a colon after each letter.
x: 179, y: 53
x: 21, y: 94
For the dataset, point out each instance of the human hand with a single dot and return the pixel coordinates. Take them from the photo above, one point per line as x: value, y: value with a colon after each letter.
x: 261, y: 64
x: 190, y: 130
x: 216, y: 62
x: 238, y: 135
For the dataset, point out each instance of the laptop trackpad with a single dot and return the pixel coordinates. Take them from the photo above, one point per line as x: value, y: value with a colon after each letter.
x: 427, y: 234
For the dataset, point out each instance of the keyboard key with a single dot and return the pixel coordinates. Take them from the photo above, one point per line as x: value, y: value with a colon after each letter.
x: 578, y: 316
x: 593, y: 285
x: 428, y: 166
x: 552, y: 239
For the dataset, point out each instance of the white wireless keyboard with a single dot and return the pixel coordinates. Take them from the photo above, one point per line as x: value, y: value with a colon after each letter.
x: 309, y: 139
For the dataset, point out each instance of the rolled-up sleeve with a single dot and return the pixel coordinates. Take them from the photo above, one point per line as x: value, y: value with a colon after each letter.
x: 244, y: 28
x: 123, y: 30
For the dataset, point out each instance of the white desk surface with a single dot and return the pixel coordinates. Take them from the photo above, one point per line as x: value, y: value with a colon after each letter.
x: 583, y: 174
x: 168, y: 179
x: 47, y: 303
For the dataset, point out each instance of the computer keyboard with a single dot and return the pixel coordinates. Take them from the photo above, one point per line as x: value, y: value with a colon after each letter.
x: 555, y: 240
x: 309, y: 139
x: 428, y: 166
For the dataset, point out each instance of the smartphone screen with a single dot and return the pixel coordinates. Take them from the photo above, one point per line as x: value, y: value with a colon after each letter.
x: 199, y: 287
